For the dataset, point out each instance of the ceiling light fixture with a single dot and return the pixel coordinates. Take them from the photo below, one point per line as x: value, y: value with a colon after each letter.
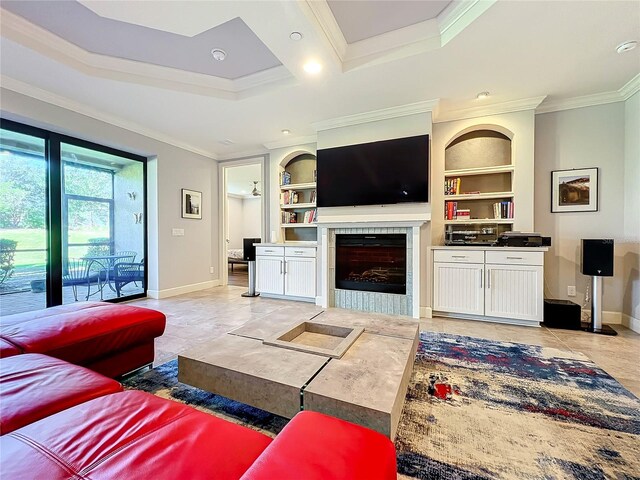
x: 286, y: 131
x: 626, y: 46
x: 482, y: 95
x: 218, y: 54
x: 295, y: 36
x: 312, y: 67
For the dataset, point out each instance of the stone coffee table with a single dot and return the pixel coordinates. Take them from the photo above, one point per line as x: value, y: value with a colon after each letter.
x: 351, y: 365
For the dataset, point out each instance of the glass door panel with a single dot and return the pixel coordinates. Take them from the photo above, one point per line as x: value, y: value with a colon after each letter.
x: 102, y: 225
x: 23, y: 223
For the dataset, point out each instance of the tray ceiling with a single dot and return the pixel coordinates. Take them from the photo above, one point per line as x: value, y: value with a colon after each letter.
x: 361, y: 20
x: 77, y: 24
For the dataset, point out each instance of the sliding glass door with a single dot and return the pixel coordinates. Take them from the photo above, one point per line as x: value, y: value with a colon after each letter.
x: 23, y: 222
x: 72, y: 221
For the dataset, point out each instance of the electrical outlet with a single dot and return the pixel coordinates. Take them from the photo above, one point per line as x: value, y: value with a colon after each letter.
x: 177, y: 232
x: 571, y: 291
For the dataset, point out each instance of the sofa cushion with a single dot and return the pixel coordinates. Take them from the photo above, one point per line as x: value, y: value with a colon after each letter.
x: 8, y: 349
x: 34, y: 386
x: 315, y: 446
x: 82, y: 335
x: 132, y: 435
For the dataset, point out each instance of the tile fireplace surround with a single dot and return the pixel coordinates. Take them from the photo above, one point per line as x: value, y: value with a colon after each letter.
x: 389, y: 303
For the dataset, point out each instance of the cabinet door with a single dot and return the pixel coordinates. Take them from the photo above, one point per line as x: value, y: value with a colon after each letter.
x: 458, y: 288
x: 300, y: 277
x: 270, y: 275
x: 514, y: 291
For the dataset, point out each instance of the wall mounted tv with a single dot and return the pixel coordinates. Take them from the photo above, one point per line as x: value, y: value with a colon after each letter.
x: 377, y: 173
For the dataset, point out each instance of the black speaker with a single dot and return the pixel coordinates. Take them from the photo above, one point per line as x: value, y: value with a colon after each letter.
x: 249, y: 249
x: 562, y: 314
x: 597, y: 257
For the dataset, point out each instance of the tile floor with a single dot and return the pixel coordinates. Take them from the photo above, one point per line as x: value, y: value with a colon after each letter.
x: 200, y: 316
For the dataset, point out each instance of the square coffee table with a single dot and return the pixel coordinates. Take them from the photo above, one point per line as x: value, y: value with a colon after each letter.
x: 351, y: 365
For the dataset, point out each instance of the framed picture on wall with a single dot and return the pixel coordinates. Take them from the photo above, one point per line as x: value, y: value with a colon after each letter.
x: 574, y: 190
x: 191, y: 204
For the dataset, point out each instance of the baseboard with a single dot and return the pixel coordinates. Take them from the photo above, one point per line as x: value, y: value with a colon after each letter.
x: 608, y: 317
x: 632, y: 323
x: 172, y: 292
x: 426, y: 312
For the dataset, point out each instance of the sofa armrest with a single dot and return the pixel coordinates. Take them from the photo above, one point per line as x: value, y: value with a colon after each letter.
x: 316, y: 446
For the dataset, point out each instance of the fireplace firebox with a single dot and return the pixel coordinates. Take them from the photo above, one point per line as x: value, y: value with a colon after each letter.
x: 372, y: 263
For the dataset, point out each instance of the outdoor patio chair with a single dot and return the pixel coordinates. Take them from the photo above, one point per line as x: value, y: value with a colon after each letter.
x: 80, y: 271
x: 128, y: 272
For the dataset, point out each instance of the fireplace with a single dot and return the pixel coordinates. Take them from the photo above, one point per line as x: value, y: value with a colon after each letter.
x: 371, y: 263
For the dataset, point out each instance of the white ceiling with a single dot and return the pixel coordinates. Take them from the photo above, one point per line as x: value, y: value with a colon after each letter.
x: 514, y: 49
x: 240, y: 179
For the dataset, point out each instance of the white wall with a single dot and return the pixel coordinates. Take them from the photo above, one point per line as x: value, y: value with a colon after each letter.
x: 235, y: 223
x: 631, y: 274
x: 176, y: 264
x: 582, y: 138
x: 251, y: 215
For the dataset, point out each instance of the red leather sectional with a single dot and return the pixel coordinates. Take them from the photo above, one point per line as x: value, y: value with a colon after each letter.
x: 112, y: 339
x: 64, y: 421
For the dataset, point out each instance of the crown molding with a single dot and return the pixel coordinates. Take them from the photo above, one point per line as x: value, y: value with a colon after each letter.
x: 22, y: 88
x: 400, y: 43
x: 377, y: 115
x: 579, y: 102
x: 46, y: 43
x: 487, y: 110
x: 242, y: 155
x: 459, y: 15
x: 630, y: 88
x: 291, y: 142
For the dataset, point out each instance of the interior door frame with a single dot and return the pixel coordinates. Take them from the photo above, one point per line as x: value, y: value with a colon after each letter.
x: 223, y: 206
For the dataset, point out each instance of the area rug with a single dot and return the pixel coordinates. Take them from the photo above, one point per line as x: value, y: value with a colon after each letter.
x: 479, y: 409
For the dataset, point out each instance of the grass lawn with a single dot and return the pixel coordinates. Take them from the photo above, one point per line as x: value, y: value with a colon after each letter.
x: 36, y: 238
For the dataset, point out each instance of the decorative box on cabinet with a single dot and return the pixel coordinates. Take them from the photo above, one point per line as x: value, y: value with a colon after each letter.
x: 286, y: 272
x: 496, y: 284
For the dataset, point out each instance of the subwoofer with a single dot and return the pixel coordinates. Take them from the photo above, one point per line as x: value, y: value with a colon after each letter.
x: 597, y: 257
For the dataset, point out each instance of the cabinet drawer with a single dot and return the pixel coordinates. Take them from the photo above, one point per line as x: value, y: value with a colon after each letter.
x: 458, y: 256
x: 515, y: 258
x: 270, y: 251
x: 300, y: 252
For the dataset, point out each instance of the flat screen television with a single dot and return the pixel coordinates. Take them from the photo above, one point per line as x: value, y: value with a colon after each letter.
x: 377, y: 173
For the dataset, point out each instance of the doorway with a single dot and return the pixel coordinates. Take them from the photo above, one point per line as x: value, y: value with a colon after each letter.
x: 244, y: 212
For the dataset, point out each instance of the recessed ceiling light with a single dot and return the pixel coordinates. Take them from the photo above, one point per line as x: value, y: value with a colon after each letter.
x: 482, y: 95
x: 218, y: 54
x: 295, y: 36
x: 312, y: 67
x: 626, y: 46
x: 286, y: 131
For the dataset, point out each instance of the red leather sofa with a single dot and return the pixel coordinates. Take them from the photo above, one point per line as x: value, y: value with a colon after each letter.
x: 136, y: 435
x: 112, y: 339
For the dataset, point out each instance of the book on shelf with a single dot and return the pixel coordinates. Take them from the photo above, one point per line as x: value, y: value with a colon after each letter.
x: 289, y: 197
x: 310, y: 216
x: 503, y: 210
x: 313, y: 197
x: 452, y: 186
x: 450, y: 210
x: 289, y: 217
x: 285, y: 178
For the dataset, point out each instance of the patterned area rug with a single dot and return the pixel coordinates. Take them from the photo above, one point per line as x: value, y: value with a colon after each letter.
x: 479, y: 409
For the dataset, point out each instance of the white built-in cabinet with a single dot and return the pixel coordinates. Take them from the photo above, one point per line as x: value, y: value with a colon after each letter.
x: 493, y: 284
x: 286, y: 272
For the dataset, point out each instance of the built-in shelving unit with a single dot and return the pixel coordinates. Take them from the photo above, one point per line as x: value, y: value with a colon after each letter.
x: 479, y: 198
x: 297, y: 199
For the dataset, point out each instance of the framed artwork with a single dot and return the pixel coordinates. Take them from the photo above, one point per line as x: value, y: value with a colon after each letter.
x: 574, y: 190
x: 191, y: 204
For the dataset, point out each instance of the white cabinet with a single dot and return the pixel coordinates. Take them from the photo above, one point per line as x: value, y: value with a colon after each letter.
x: 458, y: 288
x: 286, y: 272
x: 270, y: 275
x: 514, y: 291
x: 494, y: 284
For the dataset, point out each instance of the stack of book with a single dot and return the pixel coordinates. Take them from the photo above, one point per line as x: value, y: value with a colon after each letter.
x: 450, y: 210
x: 310, y: 216
x: 289, y: 217
x: 289, y: 197
x: 503, y: 210
x: 452, y: 186
x: 285, y: 178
